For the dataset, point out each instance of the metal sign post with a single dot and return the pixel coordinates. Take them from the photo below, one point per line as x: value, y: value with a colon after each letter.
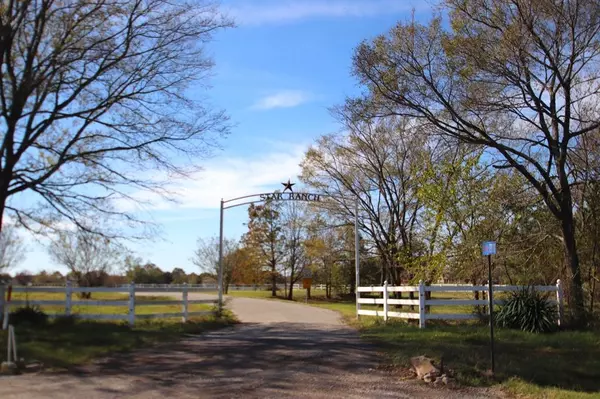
x: 488, y: 248
x: 307, y: 282
x: 220, y: 276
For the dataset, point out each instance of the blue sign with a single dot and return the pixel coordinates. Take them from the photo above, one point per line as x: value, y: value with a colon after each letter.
x: 488, y: 248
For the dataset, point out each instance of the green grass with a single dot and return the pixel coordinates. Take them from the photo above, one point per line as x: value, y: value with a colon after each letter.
x: 61, y: 346
x: 107, y: 296
x: 564, y: 364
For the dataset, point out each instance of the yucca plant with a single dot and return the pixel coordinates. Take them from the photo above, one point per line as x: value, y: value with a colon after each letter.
x: 527, y: 310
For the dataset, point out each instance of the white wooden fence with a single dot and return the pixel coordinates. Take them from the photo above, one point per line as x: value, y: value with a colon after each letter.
x: 131, y: 303
x: 204, y: 287
x: 421, y: 301
x: 232, y: 287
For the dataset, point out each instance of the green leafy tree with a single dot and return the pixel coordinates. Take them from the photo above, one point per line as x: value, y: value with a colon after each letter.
x: 265, y: 238
x: 178, y: 276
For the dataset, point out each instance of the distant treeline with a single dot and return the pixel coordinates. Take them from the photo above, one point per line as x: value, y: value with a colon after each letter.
x: 141, y: 274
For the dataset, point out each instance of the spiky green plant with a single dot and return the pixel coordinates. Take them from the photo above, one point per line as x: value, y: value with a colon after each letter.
x: 528, y: 310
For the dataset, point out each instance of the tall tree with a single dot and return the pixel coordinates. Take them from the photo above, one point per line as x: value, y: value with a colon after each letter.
x: 328, y: 256
x: 379, y: 164
x: 246, y: 269
x: 294, y: 235
x: 265, y: 238
x: 179, y: 276
x: 519, y: 77
x: 93, y: 95
x: 586, y: 158
x: 12, y: 248
x: 89, y: 257
x: 206, y: 257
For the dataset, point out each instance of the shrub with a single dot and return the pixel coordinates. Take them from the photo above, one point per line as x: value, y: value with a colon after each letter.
x: 65, y: 321
x: 33, y: 315
x: 527, y: 310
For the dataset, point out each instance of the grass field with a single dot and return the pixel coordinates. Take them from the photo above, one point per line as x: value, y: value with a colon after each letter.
x: 560, y: 365
x: 65, y: 343
x: 82, y: 308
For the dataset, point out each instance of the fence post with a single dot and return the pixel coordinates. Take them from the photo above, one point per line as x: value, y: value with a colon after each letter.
x: 132, y: 304
x: 421, y: 304
x: 13, y: 342
x: 559, y: 301
x: 68, y: 297
x: 184, y: 297
x: 385, y: 300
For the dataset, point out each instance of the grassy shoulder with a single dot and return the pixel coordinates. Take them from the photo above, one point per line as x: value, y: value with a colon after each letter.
x: 560, y: 365
x: 67, y: 342
x: 60, y: 345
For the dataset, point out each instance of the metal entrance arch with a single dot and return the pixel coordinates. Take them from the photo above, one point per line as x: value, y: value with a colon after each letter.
x: 284, y: 196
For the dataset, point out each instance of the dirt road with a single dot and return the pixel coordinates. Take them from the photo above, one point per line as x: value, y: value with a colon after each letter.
x: 281, y: 350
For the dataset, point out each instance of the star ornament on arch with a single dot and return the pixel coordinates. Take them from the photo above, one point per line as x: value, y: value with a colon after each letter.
x: 288, y: 186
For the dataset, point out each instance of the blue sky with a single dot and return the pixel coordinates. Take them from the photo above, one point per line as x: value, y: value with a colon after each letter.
x: 276, y: 74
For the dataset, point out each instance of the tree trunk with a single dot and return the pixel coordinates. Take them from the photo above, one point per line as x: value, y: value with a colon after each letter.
x: 290, y: 292
x: 2, y: 203
x: 273, y: 281
x: 572, y: 260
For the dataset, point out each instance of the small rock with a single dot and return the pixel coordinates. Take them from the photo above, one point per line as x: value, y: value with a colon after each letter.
x: 437, y: 382
x: 428, y: 377
x: 448, y: 381
x: 423, y: 365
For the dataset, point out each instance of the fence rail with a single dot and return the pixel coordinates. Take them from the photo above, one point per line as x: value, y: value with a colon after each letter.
x: 422, y: 302
x: 131, y: 303
x: 178, y: 287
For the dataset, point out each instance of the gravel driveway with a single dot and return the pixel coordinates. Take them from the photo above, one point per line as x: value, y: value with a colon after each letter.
x: 281, y: 350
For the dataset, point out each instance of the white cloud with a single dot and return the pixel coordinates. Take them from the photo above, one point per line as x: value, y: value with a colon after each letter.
x: 282, y: 99
x: 277, y: 12
x: 227, y: 178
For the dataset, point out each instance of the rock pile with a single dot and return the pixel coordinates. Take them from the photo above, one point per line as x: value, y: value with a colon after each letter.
x: 427, y: 371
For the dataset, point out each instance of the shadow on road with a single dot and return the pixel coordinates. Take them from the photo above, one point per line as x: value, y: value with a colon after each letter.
x: 273, y: 355
x: 283, y: 360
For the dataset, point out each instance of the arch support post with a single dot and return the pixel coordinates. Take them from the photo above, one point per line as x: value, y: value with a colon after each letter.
x: 220, y: 282
x: 356, y: 258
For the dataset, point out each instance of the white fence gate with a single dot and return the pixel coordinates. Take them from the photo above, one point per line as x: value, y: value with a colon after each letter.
x: 421, y: 302
x: 131, y: 302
